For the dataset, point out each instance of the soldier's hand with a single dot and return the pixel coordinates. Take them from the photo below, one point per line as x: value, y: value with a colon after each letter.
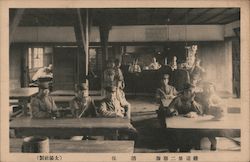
x: 120, y: 115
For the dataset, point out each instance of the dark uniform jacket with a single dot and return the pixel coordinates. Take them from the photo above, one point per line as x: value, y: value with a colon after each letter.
x: 184, y: 106
x: 83, y: 107
x: 109, y: 108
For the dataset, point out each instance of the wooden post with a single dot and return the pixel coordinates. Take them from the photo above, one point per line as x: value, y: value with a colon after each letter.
x: 86, y: 60
x: 104, y: 33
x: 82, y: 38
x: 15, y: 23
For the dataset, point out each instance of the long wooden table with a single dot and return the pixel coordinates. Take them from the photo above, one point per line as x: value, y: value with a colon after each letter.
x: 87, y: 146
x: 230, y: 121
x: 23, y: 95
x: 180, y: 127
x: 25, y: 126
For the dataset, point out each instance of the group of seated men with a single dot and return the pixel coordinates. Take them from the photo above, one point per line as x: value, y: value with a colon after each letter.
x: 82, y: 105
x: 189, y: 102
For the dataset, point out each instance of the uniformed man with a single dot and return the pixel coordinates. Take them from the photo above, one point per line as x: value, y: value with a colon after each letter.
x: 166, y: 92
x: 118, y: 73
x: 42, y: 105
x: 82, y: 105
x: 111, y: 106
x: 185, y: 103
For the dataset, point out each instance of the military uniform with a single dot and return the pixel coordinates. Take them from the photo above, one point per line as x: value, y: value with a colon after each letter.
x: 184, y: 106
x: 42, y: 107
x: 166, y: 92
x: 84, y: 107
x: 111, y: 108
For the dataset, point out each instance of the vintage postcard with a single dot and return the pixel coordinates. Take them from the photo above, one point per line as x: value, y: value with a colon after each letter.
x: 124, y: 80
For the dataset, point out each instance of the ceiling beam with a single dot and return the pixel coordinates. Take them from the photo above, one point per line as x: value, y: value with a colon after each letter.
x: 183, y: 16
x: 15, y: 23
x: 214, y: 16
x: 229, y: 17
x: 199, y: 15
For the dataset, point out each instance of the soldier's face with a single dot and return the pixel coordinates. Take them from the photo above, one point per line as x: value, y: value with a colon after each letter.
x: 189, y: 93
x: 194, y: 81
x: 83, y: 93
x: 110, y: 95
x: 165, y: 81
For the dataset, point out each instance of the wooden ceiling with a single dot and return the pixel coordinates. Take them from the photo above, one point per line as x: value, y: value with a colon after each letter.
x: 129, y: 16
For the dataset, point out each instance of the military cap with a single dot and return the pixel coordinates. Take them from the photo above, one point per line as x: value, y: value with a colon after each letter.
x: 43, y: 85
x: 82, y: 87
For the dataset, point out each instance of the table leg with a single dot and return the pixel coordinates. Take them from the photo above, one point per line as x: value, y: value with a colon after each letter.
x: 116, y: 134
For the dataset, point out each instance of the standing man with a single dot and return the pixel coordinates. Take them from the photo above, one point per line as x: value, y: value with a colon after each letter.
x: 82, y: 105
x: 108, y: 76
x: 42, y: 105
x: 118, y: 73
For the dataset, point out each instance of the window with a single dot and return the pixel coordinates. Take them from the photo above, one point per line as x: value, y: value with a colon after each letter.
x: 35, y: 57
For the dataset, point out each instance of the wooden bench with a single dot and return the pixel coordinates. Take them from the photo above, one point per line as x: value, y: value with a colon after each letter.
x: 84, y: 146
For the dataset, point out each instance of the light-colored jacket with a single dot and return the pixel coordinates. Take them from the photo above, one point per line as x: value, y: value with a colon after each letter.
x: 42, y: 107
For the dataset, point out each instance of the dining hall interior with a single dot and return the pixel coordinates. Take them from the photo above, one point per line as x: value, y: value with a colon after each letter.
x: 70, y: 50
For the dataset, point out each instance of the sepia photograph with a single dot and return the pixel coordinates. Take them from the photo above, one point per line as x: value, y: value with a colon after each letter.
x: 125, y: 83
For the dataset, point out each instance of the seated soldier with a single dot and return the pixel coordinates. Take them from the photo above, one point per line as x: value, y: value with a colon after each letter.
x: 82, y: 104
x: 111, y: 106
x: 166, y: 92
x: 185, y: 103
x: 121, y: 97
x: 42, y: 105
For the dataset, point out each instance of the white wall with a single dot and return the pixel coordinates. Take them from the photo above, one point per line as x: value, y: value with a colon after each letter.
x: 217, y: 60
x: 44, y: 34
x: 158, y: 33
x: 149, y: 33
